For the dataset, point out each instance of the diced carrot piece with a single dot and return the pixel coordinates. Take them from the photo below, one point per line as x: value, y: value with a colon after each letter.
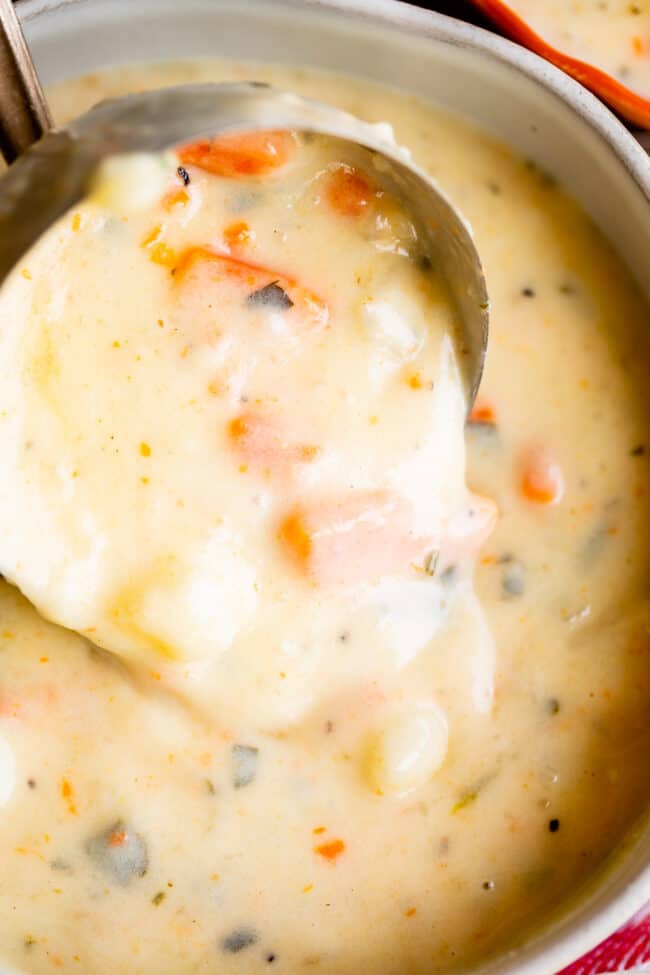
x: 542, y: 480
x: 637, y: 45
x: 237, y: 233
x: 157, y: 249
x: 330, y: 851
x: 177, y: 196
x: 67, y: 793
x: 161, y: 254
x: 348, y: 191
x: 483, y: 412
x: 363, y: 535
x: 200, y: 262
x: 470, y: 529
x: 241, y: 154
x: 261, y: 442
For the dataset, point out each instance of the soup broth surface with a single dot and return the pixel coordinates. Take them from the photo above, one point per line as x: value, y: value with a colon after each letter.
x: 263, y: 749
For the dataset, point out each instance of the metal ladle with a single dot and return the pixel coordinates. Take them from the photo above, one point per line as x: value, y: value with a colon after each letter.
x: 53, y: 168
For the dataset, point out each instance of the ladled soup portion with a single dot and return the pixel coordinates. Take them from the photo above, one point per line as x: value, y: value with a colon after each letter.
x: 347, y: 678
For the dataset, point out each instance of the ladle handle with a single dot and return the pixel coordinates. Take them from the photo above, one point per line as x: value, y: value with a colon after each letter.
x: 24, y: 113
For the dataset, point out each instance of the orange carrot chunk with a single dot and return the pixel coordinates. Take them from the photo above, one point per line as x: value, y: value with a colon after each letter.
x: 330, y: 851
x: 348, y: 192
x: 176, y: 196
x: 237, y: 233
x: 241, y: 154
x: 261, y: 442
x: 483, y: 412
x: 200, y: 268
x: 363, y: 535
x: 542, y: 480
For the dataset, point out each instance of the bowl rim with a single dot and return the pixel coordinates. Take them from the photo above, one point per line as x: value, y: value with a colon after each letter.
x: 556, y: 945
x: 631, y: 104
x: 419, y: 22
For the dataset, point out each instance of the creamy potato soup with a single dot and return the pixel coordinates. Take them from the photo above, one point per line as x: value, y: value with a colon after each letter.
x: 347, y: 682
x: 613, y: 35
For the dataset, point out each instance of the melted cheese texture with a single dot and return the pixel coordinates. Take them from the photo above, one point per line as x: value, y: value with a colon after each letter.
x: 401, y: 767
x: 613, y: 35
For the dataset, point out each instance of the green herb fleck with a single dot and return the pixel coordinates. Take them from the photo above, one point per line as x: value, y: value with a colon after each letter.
x: 472, y: 793
x: 244, y: 765
x: 159, y: 898
x: 432, y: 562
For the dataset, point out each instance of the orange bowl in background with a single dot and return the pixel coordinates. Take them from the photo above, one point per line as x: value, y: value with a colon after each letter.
x: 628, y: 104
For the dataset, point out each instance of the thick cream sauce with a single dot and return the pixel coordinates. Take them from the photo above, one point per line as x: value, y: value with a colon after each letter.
x: 143, y: 831
x: 613, y: 35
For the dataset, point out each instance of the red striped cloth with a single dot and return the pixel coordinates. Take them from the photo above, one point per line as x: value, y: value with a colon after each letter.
x: 628, y: 948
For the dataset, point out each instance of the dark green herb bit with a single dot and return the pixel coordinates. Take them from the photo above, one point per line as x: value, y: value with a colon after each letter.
x: 119, y: 853
x: 545, y: 178
x: 244, y: 765
x: 471, y: 794
x: 270, y: 296
x: 467, y: 798
x: 238, y: 940
x: 638, y: 451
x: 210, y: 786
x: 553, y: 825
x: 566, y: 288
x: 184, y: 175
x: 448, y: 575
x: 552, y: 705
x: 60, y: 865
x: 29, y: 941
x: 513, y: 580
x: 431, y: 563
x: 601, y: 535
x: 159, y: 898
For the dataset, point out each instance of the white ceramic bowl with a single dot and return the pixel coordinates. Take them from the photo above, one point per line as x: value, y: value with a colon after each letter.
x: 522, y: 99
